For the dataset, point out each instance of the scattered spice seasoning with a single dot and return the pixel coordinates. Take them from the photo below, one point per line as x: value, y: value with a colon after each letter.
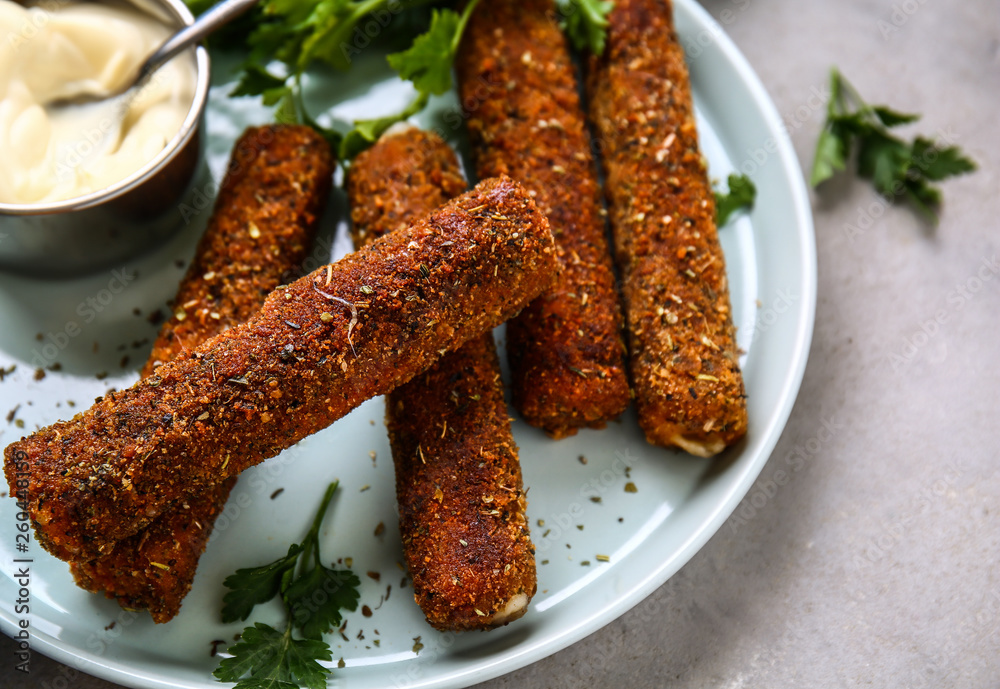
x: 39, y: 373
x: 630, y: 488
x: 277, y: 493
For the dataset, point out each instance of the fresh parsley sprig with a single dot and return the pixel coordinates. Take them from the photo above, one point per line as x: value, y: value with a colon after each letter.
x: 286, y: 37
x: 898, y: 169
x: 741, y: 194
x: 314, y: 597
x: 585, y: 23
x: 427, y: 64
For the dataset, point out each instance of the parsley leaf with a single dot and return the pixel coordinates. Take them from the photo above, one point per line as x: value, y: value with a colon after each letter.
x: 317, y: 598
x: 256, y: 81
x: 742, y: 193
x: 255, y: 585
x: 427, y: 63
x: 897, y: 168
x: 367, y: 132
x: 586, y: 23
x: 313, y: 595
x: 296, y: 34
x: 274, y: 660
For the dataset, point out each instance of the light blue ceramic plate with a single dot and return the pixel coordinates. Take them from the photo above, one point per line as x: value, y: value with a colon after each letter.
x: 90, y: 325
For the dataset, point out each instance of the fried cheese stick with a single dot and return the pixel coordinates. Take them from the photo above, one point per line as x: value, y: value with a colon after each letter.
x: 458, y: 480
x: 518, y: 83
x: 317, y: 349
x: 263, y: 224
x: 684, y: 361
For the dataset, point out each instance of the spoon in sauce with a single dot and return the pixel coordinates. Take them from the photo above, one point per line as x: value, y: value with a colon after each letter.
x: 213, y: 18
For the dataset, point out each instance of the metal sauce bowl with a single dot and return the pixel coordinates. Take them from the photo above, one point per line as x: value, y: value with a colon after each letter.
x: 102, y: 229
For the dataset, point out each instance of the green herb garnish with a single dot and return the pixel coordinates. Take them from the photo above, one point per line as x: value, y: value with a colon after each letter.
x: 585, y: 23
x: 742, y: 193
x: 897, y: 169
x: 286, y: 37
x: 313, y: 596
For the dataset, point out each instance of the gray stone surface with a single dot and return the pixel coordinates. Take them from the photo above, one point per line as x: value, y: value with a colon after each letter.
x: 875, y: 565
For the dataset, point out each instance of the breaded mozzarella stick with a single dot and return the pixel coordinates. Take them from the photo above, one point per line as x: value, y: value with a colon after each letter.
x: 316, y: 350
x: 516, y: 77
x: 458, y: 480
x: 684, y: 361
x: 264, y: 221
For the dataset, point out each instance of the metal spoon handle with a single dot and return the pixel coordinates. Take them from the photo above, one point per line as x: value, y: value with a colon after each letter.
x: 213, y: 18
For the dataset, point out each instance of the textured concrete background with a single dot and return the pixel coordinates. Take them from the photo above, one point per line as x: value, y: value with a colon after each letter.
x: 875, y: 565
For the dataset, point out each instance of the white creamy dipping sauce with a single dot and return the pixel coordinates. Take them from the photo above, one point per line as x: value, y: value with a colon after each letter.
x: 67, y: 48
